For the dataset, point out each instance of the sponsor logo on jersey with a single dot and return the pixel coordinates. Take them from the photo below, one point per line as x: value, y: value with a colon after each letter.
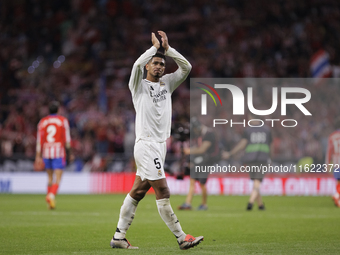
x: 160, y: 96
x: 51, y: 120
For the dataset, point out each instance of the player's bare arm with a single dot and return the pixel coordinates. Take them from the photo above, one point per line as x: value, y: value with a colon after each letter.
x: 38, y: 162
x: 197, y: 150
x: 240, y: 146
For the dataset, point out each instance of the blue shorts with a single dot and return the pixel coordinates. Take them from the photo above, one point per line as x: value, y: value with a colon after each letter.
x: 336, y: 173
x: 54, y: 163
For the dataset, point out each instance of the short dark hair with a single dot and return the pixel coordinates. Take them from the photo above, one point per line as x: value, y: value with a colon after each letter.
x: 158, y: 55
x: 53, y: 107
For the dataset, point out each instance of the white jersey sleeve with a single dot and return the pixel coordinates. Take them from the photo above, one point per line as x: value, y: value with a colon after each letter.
x: 38, y: 146
x: 138, y: 70
x: 184, y: 68
x: 67, y: 133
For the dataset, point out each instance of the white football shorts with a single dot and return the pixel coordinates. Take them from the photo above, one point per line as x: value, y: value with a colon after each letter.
x: 150, y: 157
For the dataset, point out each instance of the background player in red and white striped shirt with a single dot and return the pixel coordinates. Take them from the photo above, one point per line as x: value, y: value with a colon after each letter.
x: 53, y: 148
x: 333, y: 157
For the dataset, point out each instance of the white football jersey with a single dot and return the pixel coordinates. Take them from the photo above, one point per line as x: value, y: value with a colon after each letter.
x: 152, y: 100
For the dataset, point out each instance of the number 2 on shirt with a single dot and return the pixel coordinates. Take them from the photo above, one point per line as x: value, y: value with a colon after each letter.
x: 51, y: 131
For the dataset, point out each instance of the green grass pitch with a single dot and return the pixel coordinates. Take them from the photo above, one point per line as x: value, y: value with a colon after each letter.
x: 84, y: 224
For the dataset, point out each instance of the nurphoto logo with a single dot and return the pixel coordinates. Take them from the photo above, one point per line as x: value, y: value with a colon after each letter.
x: 281, y: 97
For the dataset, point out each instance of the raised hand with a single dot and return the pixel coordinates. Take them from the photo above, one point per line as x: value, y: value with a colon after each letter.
x: 165, y: 42
x: 186, y: 151
x: 155, y: 41
x: 226, y: 155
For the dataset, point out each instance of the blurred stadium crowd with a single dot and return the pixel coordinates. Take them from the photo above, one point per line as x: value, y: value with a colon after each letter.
x: 81, y: 52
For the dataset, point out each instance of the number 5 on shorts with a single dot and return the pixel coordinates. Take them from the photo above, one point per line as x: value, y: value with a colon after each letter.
x: 157, y: 163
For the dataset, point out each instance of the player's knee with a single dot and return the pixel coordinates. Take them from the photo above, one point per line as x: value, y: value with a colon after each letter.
x: 138, y: 194
x: 256, y: 189
x: 164, y: 192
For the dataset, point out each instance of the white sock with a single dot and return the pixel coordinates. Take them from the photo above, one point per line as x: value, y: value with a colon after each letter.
x: 170, y: 218
x: 127, y: 213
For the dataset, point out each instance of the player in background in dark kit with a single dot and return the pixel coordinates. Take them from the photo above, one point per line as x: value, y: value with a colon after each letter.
x: 205, y: 152
x: 257, y: 144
